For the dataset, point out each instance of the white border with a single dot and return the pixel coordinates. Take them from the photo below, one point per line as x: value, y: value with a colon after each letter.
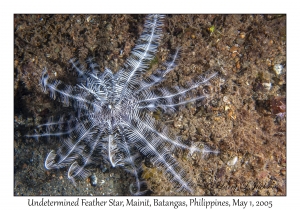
x: 8, y: 201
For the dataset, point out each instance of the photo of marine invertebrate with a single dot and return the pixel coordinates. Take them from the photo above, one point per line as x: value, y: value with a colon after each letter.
x: 149, y: 105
